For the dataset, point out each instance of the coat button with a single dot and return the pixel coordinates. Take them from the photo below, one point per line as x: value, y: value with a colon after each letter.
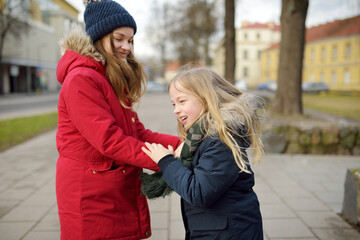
x: 124, y: 171
x: 133, y: 119
x: 147, y: 233
x: 94, y: 172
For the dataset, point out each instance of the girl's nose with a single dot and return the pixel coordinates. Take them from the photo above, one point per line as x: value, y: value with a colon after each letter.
x: 176, y: 110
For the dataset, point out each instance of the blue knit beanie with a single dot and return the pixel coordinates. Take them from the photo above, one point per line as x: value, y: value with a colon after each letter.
x: 102, y: 17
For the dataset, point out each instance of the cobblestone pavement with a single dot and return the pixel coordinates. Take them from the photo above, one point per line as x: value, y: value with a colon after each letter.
x: 300, y: 195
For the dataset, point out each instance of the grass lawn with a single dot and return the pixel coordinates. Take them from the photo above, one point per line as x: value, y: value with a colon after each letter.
x: 17, y: 130
x: 343, y: 106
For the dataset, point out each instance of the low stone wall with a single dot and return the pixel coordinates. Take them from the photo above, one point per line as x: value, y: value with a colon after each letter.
x: 342, y: 140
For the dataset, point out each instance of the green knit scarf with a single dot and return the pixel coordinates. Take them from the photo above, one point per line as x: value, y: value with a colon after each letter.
x: 153, y: 185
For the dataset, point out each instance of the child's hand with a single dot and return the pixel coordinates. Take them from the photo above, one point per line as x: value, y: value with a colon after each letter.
x: 178, y: 150
x: 157, y: 151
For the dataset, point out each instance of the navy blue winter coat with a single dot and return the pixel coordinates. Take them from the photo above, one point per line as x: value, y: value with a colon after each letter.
x: 217, y: 201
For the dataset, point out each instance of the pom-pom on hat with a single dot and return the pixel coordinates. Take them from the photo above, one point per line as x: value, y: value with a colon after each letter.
x: 103, y: 16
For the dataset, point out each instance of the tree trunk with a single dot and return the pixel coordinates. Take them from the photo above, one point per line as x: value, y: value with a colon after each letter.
x: 230, y: 57
x: 288, y: 94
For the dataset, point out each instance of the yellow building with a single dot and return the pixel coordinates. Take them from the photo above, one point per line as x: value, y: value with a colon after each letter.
x: 331, y: 55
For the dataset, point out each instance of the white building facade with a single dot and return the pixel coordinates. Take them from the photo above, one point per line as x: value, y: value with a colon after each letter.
x: 251, y: 39
x: 29, y: 60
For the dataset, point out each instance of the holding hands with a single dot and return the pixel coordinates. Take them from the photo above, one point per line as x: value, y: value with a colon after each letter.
x: 157, y: 151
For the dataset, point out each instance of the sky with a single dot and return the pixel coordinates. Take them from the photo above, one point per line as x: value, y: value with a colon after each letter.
x: 319, y: 12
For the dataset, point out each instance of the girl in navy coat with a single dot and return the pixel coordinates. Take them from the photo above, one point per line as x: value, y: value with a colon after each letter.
x: 212, y: 174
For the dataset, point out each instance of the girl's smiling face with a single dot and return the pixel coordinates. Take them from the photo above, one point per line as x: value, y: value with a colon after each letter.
x: 187, y: 107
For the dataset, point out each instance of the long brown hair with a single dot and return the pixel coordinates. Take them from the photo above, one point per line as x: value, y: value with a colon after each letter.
x: 127, y: 78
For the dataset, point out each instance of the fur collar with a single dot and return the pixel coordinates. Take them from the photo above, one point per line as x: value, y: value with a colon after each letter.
x: 78, y: 41
x: 234, y: 120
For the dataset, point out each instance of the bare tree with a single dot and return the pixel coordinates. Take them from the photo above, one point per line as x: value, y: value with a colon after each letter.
x: 158, y: 30
x: 10, y: 21
x: 192, y: 25
x: 230, y: 57
x: 288, y: 95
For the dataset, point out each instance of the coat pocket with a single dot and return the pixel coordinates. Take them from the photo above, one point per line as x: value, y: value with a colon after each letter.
x: 207, y: 222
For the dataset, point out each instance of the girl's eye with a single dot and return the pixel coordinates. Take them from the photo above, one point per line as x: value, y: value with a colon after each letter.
x: 131, y: 41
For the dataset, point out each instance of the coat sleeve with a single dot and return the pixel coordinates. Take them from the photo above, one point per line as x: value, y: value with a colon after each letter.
x: 147, y: 135
x: 214, y: 174
x: 90, y: 113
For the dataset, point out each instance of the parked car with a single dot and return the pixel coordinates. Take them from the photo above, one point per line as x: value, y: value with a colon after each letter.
x: 241, y: 85
x: 156, y: 87
x: 314, y: 87
x: 269, y: 85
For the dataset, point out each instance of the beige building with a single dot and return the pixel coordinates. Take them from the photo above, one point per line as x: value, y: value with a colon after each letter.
x: 29, y: 60
x: 251, y: 39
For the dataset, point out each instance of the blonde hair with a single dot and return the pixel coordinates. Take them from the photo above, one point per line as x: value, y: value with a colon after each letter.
x: 127, y: 78
x: 220, y: 100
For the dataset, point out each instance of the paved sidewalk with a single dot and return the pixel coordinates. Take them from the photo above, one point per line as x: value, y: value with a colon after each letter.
x: 299, y: 195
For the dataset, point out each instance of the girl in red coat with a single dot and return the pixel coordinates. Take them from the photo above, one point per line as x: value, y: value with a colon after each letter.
x: 99, y: 135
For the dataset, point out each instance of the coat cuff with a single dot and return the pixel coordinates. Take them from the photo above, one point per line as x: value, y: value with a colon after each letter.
x: 165, y: 161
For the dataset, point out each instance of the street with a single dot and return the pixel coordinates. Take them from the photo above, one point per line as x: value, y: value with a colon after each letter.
x: 21, y: 105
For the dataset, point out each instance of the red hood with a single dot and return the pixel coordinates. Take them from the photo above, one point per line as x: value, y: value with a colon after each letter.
x: 71, y: 60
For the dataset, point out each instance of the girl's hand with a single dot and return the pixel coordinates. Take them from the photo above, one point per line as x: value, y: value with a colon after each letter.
x: 157, y: 151
x: 178, y: 150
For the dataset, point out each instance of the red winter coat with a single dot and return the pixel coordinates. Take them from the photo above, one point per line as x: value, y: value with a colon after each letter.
x: 100, y: 157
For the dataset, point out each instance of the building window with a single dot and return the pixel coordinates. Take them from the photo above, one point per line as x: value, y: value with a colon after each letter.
x: 268, y: 60
x: 322, y: 77
x: 348, y: 51
x: 245, y: 54
x: 323, y: 54
x: 245, y: 36
x: 258, y: 36
x: 333, y: 77
x: 334, y: 52
x: 259, y: 54
x: 347, y: 77
x: 312, y: 55
x: 245, y: 72
x: 67, y: 26
x: 311, y: 77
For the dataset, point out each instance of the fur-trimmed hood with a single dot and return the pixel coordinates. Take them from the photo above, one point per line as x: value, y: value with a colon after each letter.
x: 235, y: 120
x: 250, y: 104
x: 78, y: 51
x: 78, y: 41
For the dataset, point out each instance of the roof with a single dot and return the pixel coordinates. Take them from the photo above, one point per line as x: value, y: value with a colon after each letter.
x: 173, y: 66
x: 256, y: 25
x: 337, y: 28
